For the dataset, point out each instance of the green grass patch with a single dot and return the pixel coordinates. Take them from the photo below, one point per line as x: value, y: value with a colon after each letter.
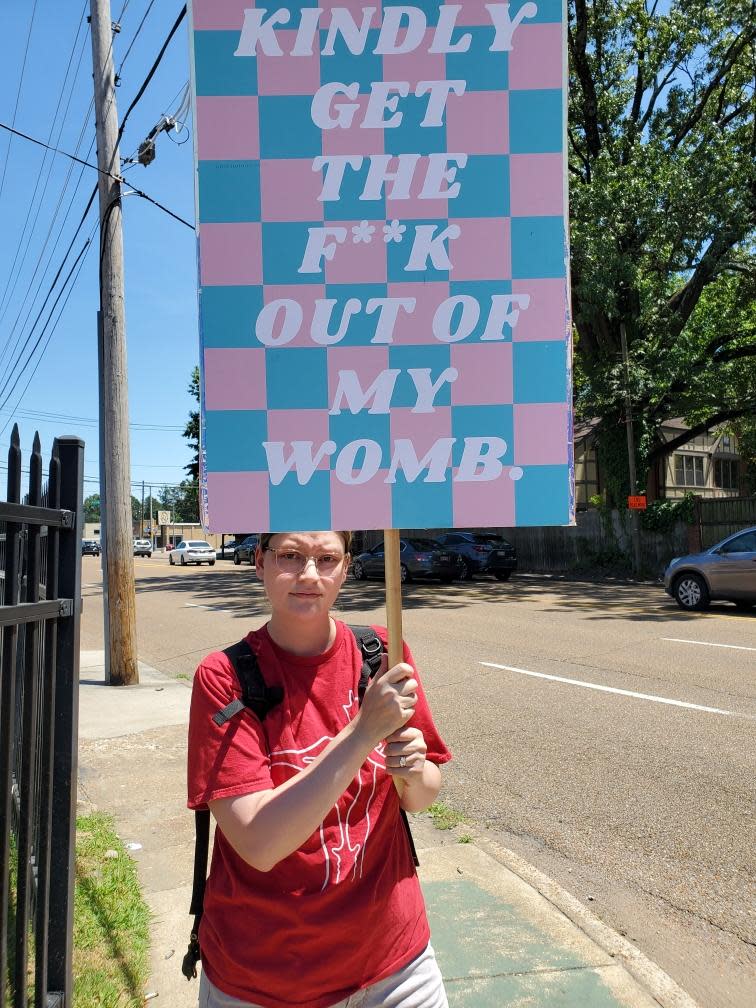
x: 111, y: 921
x: 443, y: 817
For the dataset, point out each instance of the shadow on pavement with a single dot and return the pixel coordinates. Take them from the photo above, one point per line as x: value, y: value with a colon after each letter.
x: 238, y: 590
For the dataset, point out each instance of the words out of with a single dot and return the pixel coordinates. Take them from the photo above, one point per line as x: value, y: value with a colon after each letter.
x: 454, y: 320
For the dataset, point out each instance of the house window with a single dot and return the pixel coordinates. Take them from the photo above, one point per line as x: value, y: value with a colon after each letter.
x: 689, y: 470
x: 726, y: 444
x: 726, y: 474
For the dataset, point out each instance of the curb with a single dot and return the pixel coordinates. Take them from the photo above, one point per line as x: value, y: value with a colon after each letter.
x: 652, y: 978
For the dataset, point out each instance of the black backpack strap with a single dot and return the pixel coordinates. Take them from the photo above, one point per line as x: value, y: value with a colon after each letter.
x: 256, y: 694
x: 201, y: 847
x: 260, y: 699
x: 371, y: 647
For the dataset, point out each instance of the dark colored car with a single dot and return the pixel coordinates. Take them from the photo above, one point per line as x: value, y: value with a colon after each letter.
x: 227, y: 552
x: 90, y: 547
x: 481, y: 553
x: 245, y: 550
x: 417, y: 557
x: 726, y: 571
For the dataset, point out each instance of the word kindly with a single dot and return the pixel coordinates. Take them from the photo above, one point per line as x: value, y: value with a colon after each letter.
x: 402, y: 30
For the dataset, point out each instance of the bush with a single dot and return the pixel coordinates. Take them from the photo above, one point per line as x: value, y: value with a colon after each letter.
x: 663, y: 515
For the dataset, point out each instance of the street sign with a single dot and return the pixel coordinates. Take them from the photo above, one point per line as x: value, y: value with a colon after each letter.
x: 637, y: 503
x: 384, y: 307
x: 164, y: 517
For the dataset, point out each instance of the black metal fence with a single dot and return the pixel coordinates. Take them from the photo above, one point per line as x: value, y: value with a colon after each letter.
x: 40, y: 566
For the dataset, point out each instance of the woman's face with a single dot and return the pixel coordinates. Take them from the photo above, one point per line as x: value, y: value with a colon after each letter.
x: 311, y: 592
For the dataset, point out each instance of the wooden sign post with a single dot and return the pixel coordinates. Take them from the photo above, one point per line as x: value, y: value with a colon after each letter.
x: 393, y: 596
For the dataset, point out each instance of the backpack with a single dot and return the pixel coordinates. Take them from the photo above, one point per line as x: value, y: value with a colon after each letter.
x: 260, y: 699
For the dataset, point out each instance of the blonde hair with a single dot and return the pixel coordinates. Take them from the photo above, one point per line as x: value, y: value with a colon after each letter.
x: 265, y: 538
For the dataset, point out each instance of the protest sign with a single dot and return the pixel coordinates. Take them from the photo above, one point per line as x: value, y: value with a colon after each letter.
x: 385, y: 337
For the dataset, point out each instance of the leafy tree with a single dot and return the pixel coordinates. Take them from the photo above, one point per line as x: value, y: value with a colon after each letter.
x: 192, y: 429
x: 180, y: 500
x: 92, y: 508
x: 663, y: 207
x: 745, y: 431
x: 136, y: 509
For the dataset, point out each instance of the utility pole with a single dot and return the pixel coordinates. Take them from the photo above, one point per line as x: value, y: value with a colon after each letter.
x: 141, y: 515
x: 116, y: 517
x: 634, y: 523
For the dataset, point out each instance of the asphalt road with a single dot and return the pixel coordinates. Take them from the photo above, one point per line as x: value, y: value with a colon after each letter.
x: 641, y: 807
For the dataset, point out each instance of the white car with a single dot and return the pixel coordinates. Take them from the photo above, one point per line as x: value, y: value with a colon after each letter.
x: 192, y: 551
x: 142, y: 547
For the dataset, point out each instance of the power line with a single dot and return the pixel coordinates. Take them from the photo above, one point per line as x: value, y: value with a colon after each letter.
x: 34, y: 202
x: 39, y: 339
x: 18, y: 94
x: 47, y: 239
x: 57, y: 210
x: 152, y: 71
x: 57, y: 150
x: 49, y: 293
x: 44, y: 417
x: 137, y: 192
x: 136, y: 35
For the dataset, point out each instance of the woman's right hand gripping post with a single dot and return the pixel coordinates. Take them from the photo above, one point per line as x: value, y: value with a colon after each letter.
x: 389, y: 701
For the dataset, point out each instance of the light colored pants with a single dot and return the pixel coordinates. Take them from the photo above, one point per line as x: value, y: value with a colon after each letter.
x: 416, y: 985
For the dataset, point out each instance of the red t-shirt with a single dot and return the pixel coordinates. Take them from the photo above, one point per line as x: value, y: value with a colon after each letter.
x: 346, y: 909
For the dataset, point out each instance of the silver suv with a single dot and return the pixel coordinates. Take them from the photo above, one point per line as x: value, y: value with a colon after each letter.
x: 142, y: 547
x: 725, y: 571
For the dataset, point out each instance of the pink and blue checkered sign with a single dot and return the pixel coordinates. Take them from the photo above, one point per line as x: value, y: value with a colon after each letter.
x: 384, y: 306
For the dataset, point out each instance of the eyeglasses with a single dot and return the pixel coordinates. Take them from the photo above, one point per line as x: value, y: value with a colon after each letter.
x: 291, y: 561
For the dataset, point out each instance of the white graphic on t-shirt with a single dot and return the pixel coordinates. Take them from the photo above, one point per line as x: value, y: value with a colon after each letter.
x: 348, y: 853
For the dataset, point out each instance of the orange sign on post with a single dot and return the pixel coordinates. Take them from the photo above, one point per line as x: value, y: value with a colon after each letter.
x: 637, y: 503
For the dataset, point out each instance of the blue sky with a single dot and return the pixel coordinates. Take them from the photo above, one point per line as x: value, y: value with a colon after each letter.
x: 160, y: 253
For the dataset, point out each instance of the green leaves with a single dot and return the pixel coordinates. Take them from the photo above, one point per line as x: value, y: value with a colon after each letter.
x: 663, y: 208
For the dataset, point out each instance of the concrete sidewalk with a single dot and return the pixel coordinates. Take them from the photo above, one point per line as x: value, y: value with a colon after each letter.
x: 504, y: 934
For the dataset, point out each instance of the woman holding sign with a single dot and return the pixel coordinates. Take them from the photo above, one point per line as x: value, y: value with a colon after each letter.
x: 313, y: 899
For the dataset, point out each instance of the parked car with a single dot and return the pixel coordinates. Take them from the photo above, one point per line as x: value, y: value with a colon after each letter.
x: 142, y: 547
x: 726, y: 572
x: 90, y: 547
x: 417, y: 557
x: 192, y: 551
x: 481, y: 553
x: 245, y: 550
x: 227, y: 552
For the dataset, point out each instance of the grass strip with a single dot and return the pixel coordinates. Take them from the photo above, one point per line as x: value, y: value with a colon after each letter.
x: 111, y: 920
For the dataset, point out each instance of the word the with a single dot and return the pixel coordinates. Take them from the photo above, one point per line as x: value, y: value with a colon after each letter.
x: 440, y: 169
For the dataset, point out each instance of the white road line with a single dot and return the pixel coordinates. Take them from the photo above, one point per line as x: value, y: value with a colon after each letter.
x: 609, y: 689
x: 703, y: 643
x: 215, y: 608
